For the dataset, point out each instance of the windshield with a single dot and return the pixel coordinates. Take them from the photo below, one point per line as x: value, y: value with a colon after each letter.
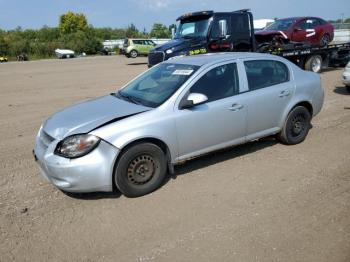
x: 155, y: 86
x: 281, y: 25
x: 192, y: 28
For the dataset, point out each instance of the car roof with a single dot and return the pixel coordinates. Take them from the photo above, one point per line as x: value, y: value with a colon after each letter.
x: 298, y: 18
x: 213, y: 58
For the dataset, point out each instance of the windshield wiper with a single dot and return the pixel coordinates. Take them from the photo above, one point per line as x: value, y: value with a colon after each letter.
x: 127, y: 98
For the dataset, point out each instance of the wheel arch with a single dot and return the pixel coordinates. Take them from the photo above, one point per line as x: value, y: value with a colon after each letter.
x: 153, y: 140
x: 304, y: 103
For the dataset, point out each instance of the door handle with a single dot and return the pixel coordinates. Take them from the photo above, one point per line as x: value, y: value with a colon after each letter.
x: 284, y: 93
x: 236, y: 107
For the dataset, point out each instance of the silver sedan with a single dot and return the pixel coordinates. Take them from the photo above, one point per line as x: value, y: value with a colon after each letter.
x: 177, y: 110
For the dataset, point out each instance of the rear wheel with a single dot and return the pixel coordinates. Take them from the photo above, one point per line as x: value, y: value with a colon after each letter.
x: 325, y: 40
x: 296, y: 127
x: 133, y: 54
x: 140, y: 170
x: 314, y: 63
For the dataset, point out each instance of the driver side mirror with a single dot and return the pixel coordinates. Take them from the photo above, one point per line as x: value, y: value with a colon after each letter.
x: 223, y: 28
x: 192, y: 100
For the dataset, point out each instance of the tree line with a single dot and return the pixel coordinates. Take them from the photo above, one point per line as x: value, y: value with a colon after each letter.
x: 73, y: 32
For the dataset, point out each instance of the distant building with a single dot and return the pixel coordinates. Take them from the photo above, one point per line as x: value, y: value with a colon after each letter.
x: 260, y: 24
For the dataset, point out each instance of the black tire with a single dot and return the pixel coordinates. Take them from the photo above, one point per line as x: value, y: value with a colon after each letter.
x: 140, y: 170
x: 348, y: 88
x: 325, y: 40
x: 314, y: 63
x: 296, y: 126
x: 134, y: 54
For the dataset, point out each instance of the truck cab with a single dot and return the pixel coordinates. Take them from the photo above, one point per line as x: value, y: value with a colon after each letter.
x: 207, y: 32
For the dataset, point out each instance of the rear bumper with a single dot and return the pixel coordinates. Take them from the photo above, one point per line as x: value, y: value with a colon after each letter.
x: 318, y: 100
x: 90, y: 173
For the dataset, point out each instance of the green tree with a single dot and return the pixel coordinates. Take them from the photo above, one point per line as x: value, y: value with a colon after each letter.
x: 19, y: 47
x: 72, y: 23
x: 4, y: 47
x: 48, y: 34
x: 82, y: 41
x: 131, y: 31
x: 160, y: 31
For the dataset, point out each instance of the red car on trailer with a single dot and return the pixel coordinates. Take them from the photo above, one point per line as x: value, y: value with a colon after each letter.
x: 312, y: 30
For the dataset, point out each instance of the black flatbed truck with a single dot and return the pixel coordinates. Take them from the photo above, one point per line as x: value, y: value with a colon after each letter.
x: 234, y: 32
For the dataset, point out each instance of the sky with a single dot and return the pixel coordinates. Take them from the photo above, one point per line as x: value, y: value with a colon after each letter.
x: 143, y: 13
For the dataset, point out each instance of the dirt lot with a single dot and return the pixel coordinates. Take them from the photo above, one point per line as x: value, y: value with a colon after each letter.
x: 259, y: 202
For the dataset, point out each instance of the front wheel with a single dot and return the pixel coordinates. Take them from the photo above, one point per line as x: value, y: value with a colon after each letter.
x: 296, y: 126
x: 140, y: 170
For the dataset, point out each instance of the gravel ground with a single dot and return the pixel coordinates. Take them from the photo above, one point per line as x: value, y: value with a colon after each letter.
x: 262, y: 201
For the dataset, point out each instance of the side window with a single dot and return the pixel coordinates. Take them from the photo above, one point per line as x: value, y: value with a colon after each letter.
x: 218, y: 83
x: 315, y: 22
x: 150, y: 42
x: 308, y: 24
x: 321, y: 21
x: 264, y: 73
x: 303, y: 25
x: 136, y: 42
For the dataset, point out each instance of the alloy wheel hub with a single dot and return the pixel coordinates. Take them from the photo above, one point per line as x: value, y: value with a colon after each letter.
x: 316, y: 64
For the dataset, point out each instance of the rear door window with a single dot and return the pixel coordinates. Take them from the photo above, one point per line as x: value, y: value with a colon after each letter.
x: 264, y: 73
x: 308, y: 24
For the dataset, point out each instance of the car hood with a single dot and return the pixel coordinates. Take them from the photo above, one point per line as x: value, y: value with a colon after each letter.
x: 270, y: 33
x: 179, y: 44
x: 89, y: 115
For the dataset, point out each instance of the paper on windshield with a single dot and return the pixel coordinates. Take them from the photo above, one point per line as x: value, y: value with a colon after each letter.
x: 184, y: 72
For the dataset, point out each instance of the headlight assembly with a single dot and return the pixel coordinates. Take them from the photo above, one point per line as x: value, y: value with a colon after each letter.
x: 77, y: 145
x: 169, y: 51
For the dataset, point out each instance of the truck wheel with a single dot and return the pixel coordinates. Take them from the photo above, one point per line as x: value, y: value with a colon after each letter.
x: 314, y: 63
x: 296, y: 126
x: 140, y: 170
x: 133, y: 54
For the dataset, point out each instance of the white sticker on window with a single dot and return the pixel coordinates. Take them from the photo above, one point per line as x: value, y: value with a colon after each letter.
x: 184, y: 72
